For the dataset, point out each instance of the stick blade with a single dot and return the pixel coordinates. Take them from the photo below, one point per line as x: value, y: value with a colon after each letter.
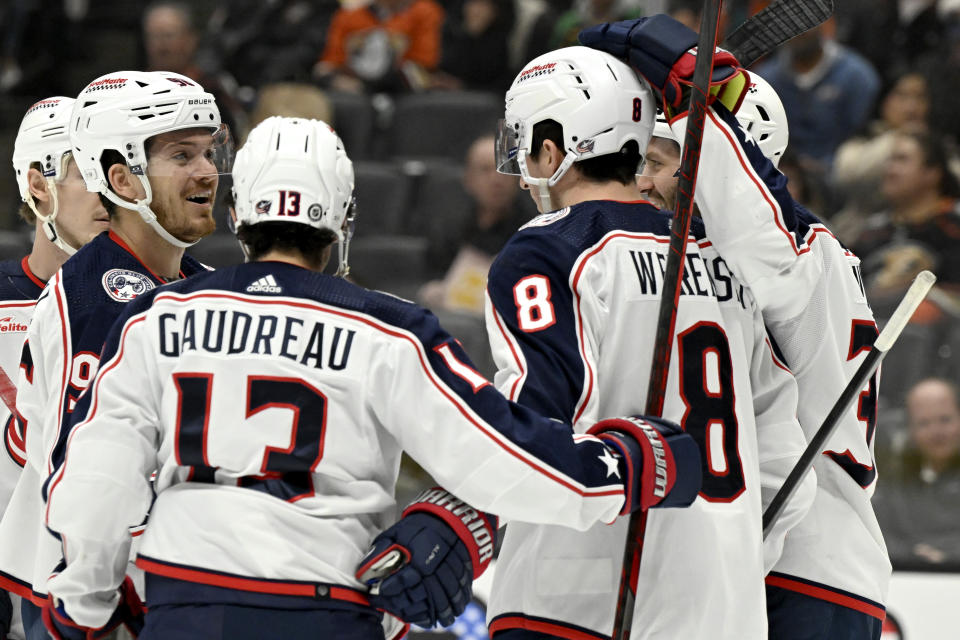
x: 779, y: 22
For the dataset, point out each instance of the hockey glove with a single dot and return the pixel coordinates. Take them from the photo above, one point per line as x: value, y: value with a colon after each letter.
x: 664, y: 52
x: 129, y: 612
x: 660, y: 463
x: 422, y: 568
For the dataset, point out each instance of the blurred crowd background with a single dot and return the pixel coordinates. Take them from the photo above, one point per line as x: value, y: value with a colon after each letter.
x: 415, y: 87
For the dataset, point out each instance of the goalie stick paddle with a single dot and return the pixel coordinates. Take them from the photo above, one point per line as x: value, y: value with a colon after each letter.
x: 911, y: 300
x: 667, y: 318
x: 770, y: 27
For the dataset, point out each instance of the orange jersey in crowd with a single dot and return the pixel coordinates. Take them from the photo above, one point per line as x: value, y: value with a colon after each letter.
x: 414, y: 30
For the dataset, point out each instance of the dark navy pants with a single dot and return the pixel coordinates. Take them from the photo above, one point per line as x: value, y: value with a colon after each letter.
x: 234, y: 622
x: 179, y: 610
x: 795, y: 616
x: 32, y: 616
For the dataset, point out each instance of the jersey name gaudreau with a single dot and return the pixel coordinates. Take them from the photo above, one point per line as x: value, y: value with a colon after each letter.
x: 235, y: 332
x: 701, y: 276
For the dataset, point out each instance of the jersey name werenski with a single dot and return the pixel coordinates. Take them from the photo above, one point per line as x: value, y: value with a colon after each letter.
x: 701, y: 277
x: 238, y: 333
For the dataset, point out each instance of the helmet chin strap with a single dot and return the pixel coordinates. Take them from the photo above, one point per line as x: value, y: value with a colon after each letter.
x: 343, y: 255
x: 49, y: 222
x: 543, y: 185
x: 146, y: 213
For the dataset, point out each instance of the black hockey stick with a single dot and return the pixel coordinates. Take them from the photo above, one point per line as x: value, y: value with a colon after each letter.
x: 911, y: 300
x: 667, y: 318
x: 769, y: 28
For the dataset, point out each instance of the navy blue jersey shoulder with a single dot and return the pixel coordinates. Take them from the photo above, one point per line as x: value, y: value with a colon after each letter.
x: 15, y: 284
x: 562, y: 236
x: 292, y: 281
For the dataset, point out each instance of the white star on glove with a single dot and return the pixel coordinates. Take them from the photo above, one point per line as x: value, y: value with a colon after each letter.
x: 613, y: 466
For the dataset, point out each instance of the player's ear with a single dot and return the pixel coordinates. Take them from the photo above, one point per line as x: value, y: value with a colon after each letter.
x: 124, y: 183
x: 38, y: 186
x: 553, y: 154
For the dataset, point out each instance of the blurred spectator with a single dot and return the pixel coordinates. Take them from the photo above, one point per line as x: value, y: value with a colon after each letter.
x: 893, y: 34
x: 170, y: 44
x: 462, y: 254
x: 264, y: 41
x: 918, y: 499
x: 292, y: 100
x: 860, y: 162
x: 805, y: 183
x: 35, y: 38
x: 921, y: 226
x: 828, y: 91
x: 555, y: 28
x: 474, y: 54
x: 386, y: 45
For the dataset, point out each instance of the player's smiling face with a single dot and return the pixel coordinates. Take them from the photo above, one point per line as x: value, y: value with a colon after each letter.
x: 659, y: 180
x: 184, y: 181
x: 81, y: 215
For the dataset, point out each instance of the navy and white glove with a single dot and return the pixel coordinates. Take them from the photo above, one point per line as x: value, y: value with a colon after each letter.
x: 422, y: 568
x: 664, y: 52
x: 660, y: 463
x: 129, y: 612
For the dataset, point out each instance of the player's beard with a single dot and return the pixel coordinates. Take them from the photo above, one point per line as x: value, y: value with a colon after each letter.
x: 175, y: 216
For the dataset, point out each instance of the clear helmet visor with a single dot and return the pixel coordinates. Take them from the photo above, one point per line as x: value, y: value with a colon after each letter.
x: 195, y: 153
x: 507, y: 146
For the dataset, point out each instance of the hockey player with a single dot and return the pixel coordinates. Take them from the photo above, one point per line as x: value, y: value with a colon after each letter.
x: 573, y: 306
x: 573, y: 299
x: 145, y: 142
x: 65, y: 216
x: 831, y: 581
x: 273, y: 402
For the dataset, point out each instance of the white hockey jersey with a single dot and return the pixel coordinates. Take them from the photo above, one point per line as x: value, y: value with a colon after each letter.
x: 572, y: 314
x: 810, y: 291
x: 19, y: 290
x: 274, y: 404
x: 62, y: 351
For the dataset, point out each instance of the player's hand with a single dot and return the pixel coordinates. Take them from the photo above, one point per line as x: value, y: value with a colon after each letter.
x: 664, y: 52
x: 129, y: 612
x: 422, y: 568
x: 660, y: 463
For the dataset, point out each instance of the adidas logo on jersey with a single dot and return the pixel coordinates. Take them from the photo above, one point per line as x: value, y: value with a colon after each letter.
x: 266, y: 284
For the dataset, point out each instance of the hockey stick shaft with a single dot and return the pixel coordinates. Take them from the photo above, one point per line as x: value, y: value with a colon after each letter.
x: 901, y: 316
x: 667, y: 318
x: 8, y: 392
x: 770, y: 27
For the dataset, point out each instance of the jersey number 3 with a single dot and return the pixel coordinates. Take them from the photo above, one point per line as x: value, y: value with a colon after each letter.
x: 285, y: 472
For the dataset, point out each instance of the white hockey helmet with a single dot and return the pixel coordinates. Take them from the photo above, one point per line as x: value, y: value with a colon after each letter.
x: 120, y: 111
x: 661, y: 128
x: 296, y: 170
x: 600, y: 102
x: 763, y: 116
x: 44, y: 138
